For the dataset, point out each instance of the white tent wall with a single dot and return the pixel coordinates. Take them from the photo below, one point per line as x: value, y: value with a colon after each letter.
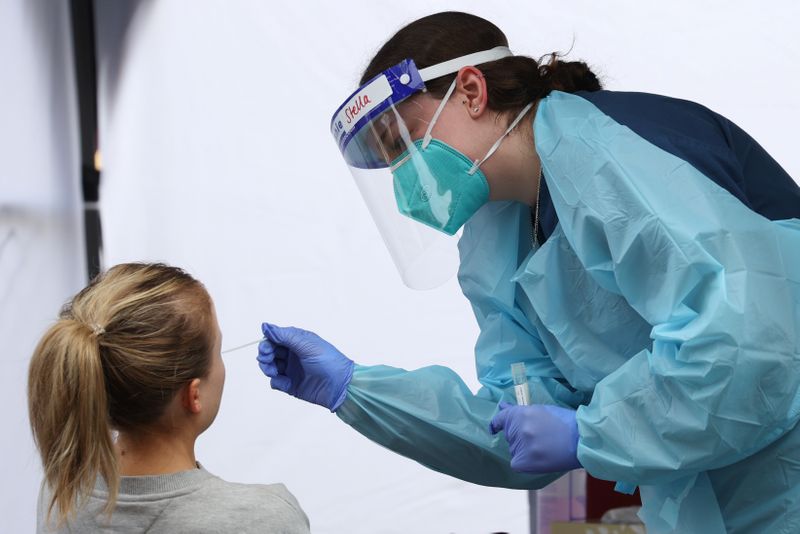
x: 214, y: 131
x: 41, y: 246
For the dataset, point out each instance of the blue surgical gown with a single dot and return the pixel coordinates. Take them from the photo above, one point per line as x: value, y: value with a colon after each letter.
x: 664, y: 306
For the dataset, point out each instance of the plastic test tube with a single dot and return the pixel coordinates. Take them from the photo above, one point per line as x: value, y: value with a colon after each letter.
x: 521, y: 389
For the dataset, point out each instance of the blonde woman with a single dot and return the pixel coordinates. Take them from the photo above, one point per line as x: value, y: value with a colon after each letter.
x: 137, y: 354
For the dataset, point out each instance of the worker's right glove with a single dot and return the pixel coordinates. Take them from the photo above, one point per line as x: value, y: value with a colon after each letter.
x: 541, y: 438
x: 303, y: 364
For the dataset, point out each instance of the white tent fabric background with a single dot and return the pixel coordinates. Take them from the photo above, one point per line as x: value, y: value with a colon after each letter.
x: 217, y: 157
x: 41, y: 244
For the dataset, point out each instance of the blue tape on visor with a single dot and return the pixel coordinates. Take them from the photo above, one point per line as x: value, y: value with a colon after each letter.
x: 350, y: 123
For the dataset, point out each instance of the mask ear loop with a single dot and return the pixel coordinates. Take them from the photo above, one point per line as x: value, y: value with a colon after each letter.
x: 496, y: 145
x: 427, y: 139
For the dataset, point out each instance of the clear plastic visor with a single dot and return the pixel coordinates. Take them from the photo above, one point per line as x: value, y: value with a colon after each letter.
x: 425, y: 257
x: 379, y: 128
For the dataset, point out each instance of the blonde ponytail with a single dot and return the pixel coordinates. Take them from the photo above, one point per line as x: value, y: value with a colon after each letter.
x: 68, y: 408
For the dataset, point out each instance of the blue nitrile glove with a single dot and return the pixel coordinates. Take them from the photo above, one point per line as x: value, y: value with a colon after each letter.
x: 303, y: 364
x: 542, y: 438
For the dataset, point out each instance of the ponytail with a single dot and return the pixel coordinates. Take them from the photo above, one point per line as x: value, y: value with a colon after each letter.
x: 68, y: 409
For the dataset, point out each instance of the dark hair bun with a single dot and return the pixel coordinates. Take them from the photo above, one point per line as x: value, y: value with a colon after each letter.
x: 570, y: 76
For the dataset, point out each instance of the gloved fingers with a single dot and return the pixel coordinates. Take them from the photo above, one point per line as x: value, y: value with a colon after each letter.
x: 519, y: 465
x: 296, y: 340
x: 271, y: 358
x: 280, y: 359
x: 281, y: 383
x: 265, y: 327
x: 268, y: 351
x: 499, y: 421
x: 285, y: 336
x: 503, y: 405
x: 266, y: 348
x: 268, y: 367
x: 281, y: 353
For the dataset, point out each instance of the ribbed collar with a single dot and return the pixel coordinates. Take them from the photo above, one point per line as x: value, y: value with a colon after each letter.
x: 152, y: 484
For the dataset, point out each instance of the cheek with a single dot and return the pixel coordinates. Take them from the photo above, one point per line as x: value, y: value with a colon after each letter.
x: 463, y: 135
x: 416, y: 129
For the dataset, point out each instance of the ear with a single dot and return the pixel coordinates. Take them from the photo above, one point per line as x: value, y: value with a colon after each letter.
x: 191, y: 396
x: 471, y: 91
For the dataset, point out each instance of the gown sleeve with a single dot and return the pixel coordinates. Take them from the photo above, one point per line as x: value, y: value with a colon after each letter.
x: 719, y: 284
x: 429, y: 414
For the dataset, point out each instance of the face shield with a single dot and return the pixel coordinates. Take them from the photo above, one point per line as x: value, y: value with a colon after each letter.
x: 381, y: 132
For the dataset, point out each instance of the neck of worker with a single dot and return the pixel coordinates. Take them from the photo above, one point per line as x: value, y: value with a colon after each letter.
x: 513, y: 170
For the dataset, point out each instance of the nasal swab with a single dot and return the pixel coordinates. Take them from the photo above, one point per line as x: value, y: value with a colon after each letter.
x: 256, y: 342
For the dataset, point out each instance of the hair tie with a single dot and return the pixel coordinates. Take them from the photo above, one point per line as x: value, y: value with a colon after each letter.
x: 97, y: 329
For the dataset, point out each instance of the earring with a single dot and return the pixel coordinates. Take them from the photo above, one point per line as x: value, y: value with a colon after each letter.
x: 475, y: 109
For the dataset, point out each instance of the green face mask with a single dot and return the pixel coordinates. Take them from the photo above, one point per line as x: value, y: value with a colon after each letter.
x: 438, y: 186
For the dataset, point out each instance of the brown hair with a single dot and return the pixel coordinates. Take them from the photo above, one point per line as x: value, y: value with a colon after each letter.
x: 119, y: 352
x: 511, y: 82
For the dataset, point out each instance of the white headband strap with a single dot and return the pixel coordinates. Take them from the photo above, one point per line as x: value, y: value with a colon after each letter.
x: 454, y: 65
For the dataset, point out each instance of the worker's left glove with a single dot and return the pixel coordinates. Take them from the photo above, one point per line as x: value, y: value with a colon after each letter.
x: 542, y: 438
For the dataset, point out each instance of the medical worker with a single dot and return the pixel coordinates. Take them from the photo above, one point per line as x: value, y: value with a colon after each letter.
x: 640, y: 254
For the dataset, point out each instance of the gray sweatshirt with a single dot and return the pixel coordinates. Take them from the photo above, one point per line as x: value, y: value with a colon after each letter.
x: 187, y: 502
